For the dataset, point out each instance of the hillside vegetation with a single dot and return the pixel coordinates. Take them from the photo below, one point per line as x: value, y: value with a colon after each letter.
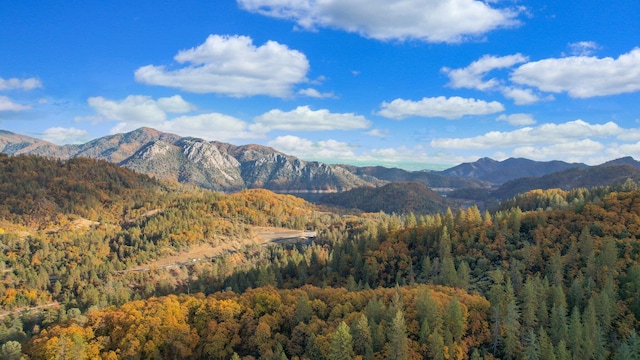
x: 551, y: 274
x: 399, y: 198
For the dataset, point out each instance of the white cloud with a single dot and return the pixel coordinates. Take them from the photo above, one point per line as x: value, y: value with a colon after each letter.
x: 7, y: 105
x: 137, y: 111
x: 23, y: 84
x: 211, y: 126
x: 303, y: 118
x: 378, y: 133
x: 471, y: 77
x: 139, y: 108
x: 313, y: 150
x: 449, y: 108
x: 583, y: 76
x: 425, y: 20
x: 337, y: 152
x: 583, y: 48
x: 232, y: 65
x: 517, y: 119
x: 630, y: 135
x: 543, y: 134
x: 60, y: 135
x: 310, y: 92
x: 573, y: 151
x: 521, y: 96
x: 175, y: 104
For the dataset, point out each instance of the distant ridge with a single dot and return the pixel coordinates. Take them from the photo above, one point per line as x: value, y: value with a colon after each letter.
x: 226, y: 167
x: 627, y: 160
x: 602, y: 175
x: 499, y: 172
x: 399, y: 198
x: 209, y: 164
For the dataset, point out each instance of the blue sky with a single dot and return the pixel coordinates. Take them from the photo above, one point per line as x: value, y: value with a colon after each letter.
x: 417, y: 84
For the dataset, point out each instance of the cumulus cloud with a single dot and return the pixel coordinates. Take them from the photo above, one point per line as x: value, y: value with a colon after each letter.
x: 521, y: 96
x: 310, y: 92
x: 449, y: 108
x: 7, y: 105
x: 583, y: 48
x: 137, y: 111
x: 527, y: 136
x: 377, y: 133
x: 22, y: 84
x: 60, y: 135
x: 303, y: 118
x: 425, y: 20
x: 210, y: 126
x: 338, y: 152
x: 570, y: 151
x: 471, y: 77
x: 139, y: 108
x: 583, y: 76
x: 517, y: 119
x: 314, y: 150
x: 233, y: 66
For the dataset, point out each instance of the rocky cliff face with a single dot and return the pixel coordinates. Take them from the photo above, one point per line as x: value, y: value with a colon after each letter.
x: 209, y: 164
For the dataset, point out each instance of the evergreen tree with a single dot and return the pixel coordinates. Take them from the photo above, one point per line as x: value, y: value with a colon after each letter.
x: 576, y: 335
x: 454, y: 319
x: 341, y: 344
x: 562, y: 353
x: 559, y: 330
x: 511, y: 331
x: 313, y: 350
x: 436, y: 346
x: 630, y: 348
x: 361, y: 335
x: 532, y: 350
x: 11, y: 350
x: 547, y: 351
x: 303, y: 310
x: 398, y: 341
x: 530, y: 305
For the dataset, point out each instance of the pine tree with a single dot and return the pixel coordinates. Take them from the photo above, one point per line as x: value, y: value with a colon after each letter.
x: 11, y: 350
x: 361, y: 336
x: 630, y: 348
x: 547, y: 351
x: 398, y: 341
x: 454, y: 319
x: 436, y: 346
x: 341, y: 344
x: 312, y: 350
x: 303, y: 310
x: 532, y: 350
x: 559, y: 330
x: 576, y: 335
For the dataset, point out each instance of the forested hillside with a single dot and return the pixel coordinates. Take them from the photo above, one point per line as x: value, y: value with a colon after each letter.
x: 71, y: 233
x: 551, y: 274
x: 398, y: 198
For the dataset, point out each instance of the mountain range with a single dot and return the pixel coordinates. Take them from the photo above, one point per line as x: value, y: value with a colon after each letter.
x: 226, y: 167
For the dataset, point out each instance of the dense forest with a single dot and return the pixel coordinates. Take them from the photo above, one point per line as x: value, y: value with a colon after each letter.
x: 550, y: 274
x: 398, y: 198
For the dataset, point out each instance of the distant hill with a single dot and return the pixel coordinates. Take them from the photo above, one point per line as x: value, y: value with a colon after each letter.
x: 208, y: 164
x: 499, y: 172
x: 399, y: 198
x: 34, y: 188
x: 230, y: 168
x: 602, y: 175
x: 627, y: 160
x: 429, y: 178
